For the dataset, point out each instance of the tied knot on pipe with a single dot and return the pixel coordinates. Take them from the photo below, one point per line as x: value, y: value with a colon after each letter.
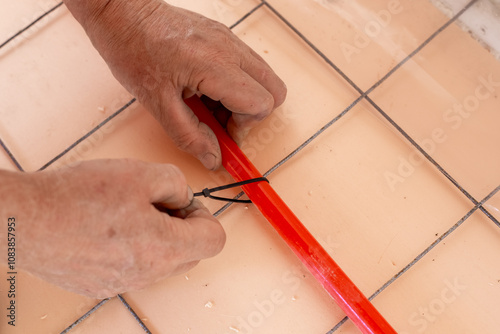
x: 208, y: 192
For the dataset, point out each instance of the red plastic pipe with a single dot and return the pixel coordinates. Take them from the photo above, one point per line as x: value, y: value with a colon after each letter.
x: 350, y: 299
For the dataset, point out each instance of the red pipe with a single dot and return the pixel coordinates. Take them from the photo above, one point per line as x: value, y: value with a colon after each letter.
x: 350, y: 299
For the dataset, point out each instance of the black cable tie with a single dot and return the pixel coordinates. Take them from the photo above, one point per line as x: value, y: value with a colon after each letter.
x: 208, y: 192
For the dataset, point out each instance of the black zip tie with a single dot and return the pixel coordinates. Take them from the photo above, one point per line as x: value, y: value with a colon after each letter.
x: 207, y: 192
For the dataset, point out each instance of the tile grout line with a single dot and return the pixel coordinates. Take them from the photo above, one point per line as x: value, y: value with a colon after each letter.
x: 134, y: 314
x: 11, y: 156
x: 83, y: 317
x: 88, y: 134
x: 244, y: 17
x: 423, y: 253
x: 20, y: 32
x: 490, y: 216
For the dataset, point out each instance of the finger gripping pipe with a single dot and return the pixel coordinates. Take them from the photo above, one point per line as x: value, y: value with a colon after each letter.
x: 349, y: 298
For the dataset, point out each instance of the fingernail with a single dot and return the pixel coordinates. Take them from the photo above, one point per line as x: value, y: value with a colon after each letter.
x: 209, y: 161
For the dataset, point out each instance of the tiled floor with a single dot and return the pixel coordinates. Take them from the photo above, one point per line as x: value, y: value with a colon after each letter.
x: 464, y: 92
x: 410, y: 232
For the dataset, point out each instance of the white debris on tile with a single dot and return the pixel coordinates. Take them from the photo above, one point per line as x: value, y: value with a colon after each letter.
x: 234, y: 329
x: 209, y: 304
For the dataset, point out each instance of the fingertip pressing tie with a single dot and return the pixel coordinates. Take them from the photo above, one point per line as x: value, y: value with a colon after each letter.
x: 208, y: 192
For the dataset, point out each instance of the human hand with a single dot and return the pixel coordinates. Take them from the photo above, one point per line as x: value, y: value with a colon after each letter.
x: 97, y: 229
x: 163, y: 54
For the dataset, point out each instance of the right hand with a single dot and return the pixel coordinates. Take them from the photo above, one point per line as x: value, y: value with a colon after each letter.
x: 163, y: 54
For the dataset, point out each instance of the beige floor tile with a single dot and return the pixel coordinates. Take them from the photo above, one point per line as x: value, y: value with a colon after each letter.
x: 365, y: 39
x: 58, y: 88
x: 447, y: 100
x: 455, y: 288
x: 40, y: 307
x: 224, y: 11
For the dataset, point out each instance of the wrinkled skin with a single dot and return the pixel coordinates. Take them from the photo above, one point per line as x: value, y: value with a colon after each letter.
x: 97, y: 229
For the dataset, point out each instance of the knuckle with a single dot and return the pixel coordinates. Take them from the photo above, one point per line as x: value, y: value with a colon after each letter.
x: 265, y: 74
x: 185, y: 140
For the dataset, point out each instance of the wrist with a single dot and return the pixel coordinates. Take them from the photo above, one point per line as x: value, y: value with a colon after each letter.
x: 109, y: 22
x: 17, y: 204
x: 85, y: 11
